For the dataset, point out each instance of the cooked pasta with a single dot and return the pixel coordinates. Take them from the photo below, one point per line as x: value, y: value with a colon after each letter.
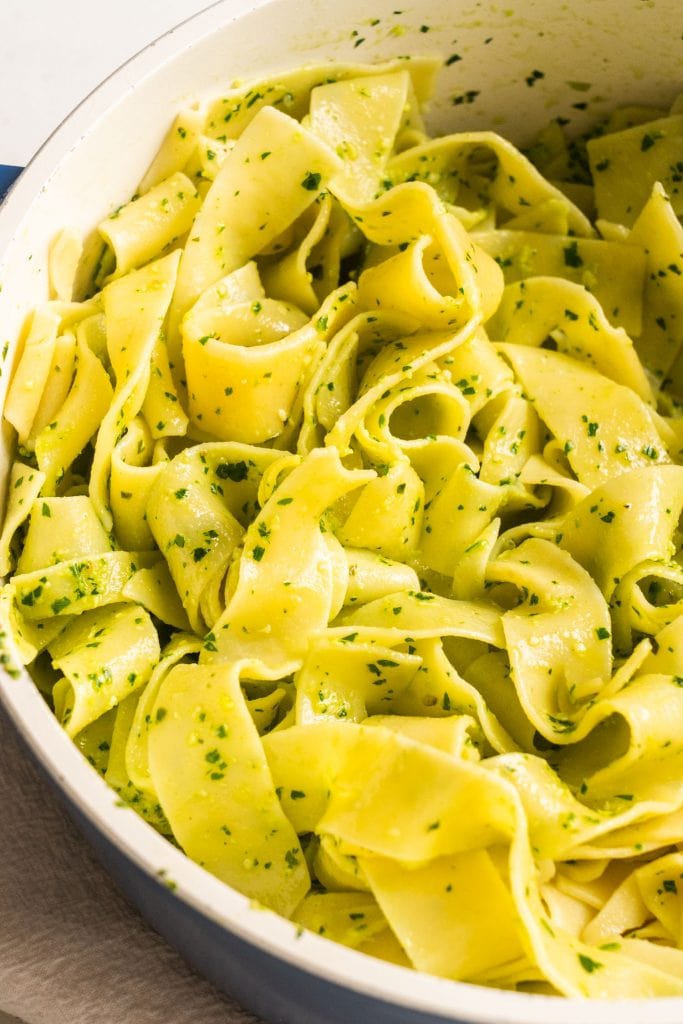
x: 343, y: 535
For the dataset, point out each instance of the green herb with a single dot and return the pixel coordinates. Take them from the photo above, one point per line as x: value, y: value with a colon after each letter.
x: 534, y: 77
x: 562, y: 724
x: 588, y: 964
x: 465, y: 97
x: 571, y: 255
x: 648, y: 140
x: 235, y: 471
x: 32, y: 596
x: 311, y: 182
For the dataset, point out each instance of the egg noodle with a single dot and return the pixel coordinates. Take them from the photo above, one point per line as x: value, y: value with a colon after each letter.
x: 343, y: 535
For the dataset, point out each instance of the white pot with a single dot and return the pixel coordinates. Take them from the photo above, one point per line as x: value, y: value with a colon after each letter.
x: 593, y: 55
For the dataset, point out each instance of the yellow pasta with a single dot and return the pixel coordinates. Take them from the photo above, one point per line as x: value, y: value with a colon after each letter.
x: 344, y: 534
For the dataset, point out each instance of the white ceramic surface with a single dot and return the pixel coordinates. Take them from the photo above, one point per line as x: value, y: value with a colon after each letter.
x: 594, y: 54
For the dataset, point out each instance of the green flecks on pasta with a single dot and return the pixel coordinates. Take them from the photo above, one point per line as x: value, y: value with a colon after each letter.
x: 344, y: 541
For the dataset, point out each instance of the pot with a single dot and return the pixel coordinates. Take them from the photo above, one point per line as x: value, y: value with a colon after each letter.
x: 509, y: 68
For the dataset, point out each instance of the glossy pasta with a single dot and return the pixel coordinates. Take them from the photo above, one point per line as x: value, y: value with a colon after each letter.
x: 344, y: 530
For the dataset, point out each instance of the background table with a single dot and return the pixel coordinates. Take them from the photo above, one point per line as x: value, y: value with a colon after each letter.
x: 52, y: 54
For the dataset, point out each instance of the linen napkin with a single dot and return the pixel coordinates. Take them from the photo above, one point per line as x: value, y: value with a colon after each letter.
x: 72, y: 950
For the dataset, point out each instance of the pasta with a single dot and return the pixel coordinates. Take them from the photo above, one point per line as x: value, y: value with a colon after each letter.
x: 343, y: 535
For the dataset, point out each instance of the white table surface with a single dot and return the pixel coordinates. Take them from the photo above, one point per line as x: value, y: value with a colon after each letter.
x: 53, y: 53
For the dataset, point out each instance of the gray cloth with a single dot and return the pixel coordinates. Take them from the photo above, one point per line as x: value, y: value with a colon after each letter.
x: 72, y: 950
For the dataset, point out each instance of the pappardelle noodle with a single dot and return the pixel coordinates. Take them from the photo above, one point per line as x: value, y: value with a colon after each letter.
x: 343, y: 533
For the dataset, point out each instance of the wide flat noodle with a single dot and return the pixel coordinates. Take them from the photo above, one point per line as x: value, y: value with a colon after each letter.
x: 223, y: 807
